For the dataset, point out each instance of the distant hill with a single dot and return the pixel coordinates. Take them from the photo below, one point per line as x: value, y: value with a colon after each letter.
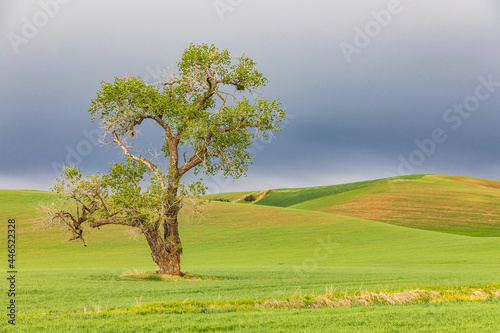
x: 454, y: 204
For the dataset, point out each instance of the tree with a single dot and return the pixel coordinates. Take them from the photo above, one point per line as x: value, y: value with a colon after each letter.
x: 209, y: 115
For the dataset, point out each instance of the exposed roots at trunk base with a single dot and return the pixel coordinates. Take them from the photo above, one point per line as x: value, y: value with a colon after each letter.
x: 169, y: 263
x: 167, y: 273
x: 167, y: 255
x: 170, y: 270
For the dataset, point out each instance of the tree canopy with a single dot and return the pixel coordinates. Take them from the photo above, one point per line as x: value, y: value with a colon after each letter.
x: 209, y: 112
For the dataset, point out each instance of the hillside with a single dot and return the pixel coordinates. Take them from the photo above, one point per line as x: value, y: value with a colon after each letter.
x: 242, y: 235
x: 460, y: 205
x: 253, y: 251
x: 294, y: 196
x: 453, y: 204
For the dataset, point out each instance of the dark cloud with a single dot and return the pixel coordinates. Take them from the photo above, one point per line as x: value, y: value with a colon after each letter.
x: 349, y: 121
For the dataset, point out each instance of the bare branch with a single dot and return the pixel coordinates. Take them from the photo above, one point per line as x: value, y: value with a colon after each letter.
x: 96, y: 223
x: 198, y: 157
x: 141, y: 159
x: 158, y: 120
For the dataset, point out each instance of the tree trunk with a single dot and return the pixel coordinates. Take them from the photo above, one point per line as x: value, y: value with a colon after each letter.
x: 166, y: 252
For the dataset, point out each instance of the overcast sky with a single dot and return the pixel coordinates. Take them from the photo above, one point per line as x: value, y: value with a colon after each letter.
x: 372, y: 88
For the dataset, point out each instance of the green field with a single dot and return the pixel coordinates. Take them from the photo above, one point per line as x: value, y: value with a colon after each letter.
x: 288, y: 243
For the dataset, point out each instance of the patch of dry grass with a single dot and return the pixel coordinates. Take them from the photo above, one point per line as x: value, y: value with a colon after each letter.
x: 366, y: 298
x: 137, y: 274
x: 329, y: 299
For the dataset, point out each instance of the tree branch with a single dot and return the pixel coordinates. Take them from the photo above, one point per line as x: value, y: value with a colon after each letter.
x: 158, y: 120
x: 198, y: 157
x: 149, y: 164
x: 111, y: 220
x: 234, y: 127
x: 209, y: 93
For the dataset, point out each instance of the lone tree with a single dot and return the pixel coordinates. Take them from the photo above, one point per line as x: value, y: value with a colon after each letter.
x: 209, y: 115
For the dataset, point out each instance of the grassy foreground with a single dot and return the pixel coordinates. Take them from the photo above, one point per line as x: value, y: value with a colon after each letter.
x: 433, y: 317
x: 250, y: 254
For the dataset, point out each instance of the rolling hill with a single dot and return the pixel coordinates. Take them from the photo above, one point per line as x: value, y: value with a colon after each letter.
x: 453, y: 204
x: 257, y: 251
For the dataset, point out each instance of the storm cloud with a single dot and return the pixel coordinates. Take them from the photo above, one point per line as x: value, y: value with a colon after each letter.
x: 367, y: 84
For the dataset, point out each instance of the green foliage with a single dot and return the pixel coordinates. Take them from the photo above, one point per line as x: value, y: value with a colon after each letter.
x: 122, y: 190
x: 221, y: 199
x: 186, y: 107
x: 249, y: 198
x: 198, y: 58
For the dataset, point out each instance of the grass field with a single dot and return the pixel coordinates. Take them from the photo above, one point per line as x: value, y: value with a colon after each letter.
x: 452, y: 204
x: 300, y: 245
x: 461, y: 205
